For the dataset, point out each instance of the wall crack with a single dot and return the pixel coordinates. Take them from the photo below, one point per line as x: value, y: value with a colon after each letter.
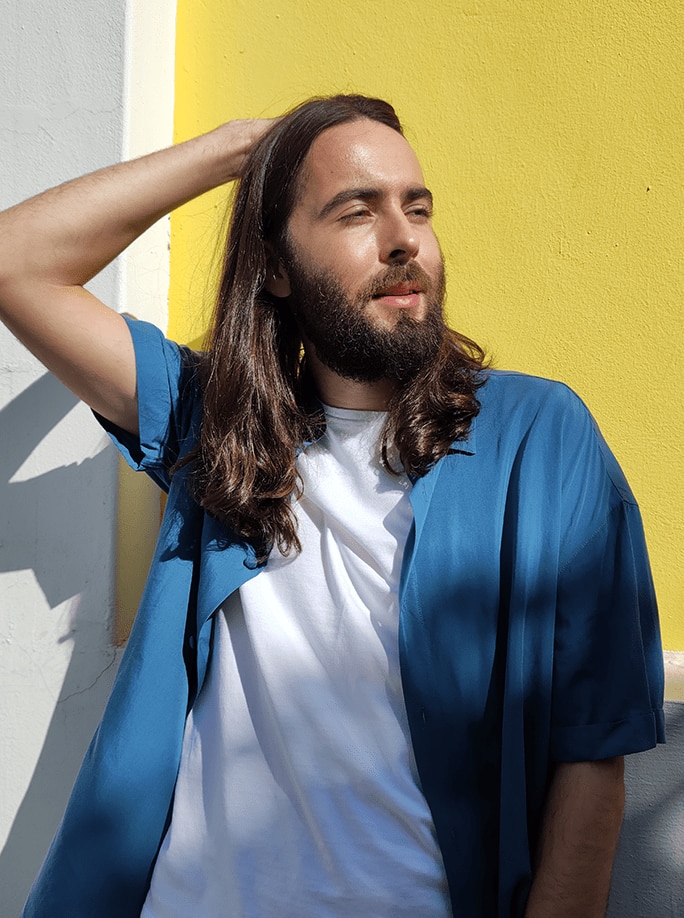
x: 92, y: 684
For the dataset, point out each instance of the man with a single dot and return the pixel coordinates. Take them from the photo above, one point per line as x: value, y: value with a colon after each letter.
x: 399, y: 630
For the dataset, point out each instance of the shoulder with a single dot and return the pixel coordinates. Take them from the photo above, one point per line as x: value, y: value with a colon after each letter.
x: 518, y: 405
x: 545, y: 419
x: 165, y: 369
x: 153, y: 347
x: 169, y: 399
x: 508, y: 389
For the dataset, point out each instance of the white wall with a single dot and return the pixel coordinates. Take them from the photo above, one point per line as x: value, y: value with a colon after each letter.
x: 67, y: 77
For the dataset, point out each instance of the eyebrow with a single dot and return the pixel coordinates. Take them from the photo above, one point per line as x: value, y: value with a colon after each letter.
x: 415, y: 193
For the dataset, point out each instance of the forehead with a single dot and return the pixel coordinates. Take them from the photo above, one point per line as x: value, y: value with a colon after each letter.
x: 361, y: 154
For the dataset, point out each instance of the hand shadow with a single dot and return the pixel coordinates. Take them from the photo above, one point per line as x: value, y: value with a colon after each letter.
x: 52, y: 526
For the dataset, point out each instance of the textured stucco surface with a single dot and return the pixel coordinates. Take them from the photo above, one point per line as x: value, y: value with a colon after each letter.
x: 61, y: 73
x: 551, y: 135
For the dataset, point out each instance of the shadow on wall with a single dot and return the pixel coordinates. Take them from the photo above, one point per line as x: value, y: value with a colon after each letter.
x: 648, y: 880
x: 56, y: 525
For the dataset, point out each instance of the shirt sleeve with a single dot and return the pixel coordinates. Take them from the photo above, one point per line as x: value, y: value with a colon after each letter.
x: 168, y: 404
x: 608, y: 666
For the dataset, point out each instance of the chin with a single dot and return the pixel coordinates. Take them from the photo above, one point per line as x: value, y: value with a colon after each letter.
x: 389, y: 316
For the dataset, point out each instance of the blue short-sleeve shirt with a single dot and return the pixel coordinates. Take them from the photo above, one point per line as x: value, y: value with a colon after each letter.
x: 528, y: 635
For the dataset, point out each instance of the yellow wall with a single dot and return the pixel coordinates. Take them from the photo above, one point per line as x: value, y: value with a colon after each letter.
x: 551, y: 134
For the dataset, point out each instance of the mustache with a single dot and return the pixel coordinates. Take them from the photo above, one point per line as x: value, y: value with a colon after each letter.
x: 410, y: 273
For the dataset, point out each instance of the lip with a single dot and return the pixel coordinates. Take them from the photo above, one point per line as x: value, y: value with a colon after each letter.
x: 399, y: 296
x: 398, y: 290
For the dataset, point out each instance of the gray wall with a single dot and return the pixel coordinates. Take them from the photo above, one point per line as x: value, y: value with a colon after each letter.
x: 648, y: 879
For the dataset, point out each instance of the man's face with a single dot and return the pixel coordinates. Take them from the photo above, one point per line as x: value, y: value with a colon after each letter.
x: 364, y: 266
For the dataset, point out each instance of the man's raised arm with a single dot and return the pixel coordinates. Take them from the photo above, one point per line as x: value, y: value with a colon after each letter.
x: 52, y: 244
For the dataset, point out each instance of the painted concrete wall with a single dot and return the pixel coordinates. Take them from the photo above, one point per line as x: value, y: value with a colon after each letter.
x: 82, y: 85
x: 648, y: 877
x: 551, y: 135
x: 61, y: 73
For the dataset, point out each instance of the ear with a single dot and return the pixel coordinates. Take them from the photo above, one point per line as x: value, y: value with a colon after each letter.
x: 277, y: 281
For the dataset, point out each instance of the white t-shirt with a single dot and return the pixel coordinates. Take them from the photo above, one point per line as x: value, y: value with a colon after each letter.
x: 297, y: 793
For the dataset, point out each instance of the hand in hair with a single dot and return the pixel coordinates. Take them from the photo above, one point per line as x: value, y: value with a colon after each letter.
x: 236, y: 139
x: 52, y: 244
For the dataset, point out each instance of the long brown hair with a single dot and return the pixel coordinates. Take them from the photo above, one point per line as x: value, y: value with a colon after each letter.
x: 259, y: 406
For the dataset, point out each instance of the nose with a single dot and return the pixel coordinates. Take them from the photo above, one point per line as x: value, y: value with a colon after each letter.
x: 400, y: 240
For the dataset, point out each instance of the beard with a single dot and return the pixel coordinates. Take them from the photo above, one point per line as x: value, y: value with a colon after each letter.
x: 353, y: 343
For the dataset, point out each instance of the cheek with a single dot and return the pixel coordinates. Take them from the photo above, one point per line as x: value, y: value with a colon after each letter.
x: 431, y: 258
x: 430, y: 247
x: 354, y: 262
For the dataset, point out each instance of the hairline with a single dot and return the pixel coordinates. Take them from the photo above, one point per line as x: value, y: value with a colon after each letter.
x: 301, y: 176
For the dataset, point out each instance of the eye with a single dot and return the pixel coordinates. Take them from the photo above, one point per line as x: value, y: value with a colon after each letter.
x: 359, y: 213
x: 420, y: 212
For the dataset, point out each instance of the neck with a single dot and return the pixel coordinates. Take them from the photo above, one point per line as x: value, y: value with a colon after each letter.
x: 339, y: 392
